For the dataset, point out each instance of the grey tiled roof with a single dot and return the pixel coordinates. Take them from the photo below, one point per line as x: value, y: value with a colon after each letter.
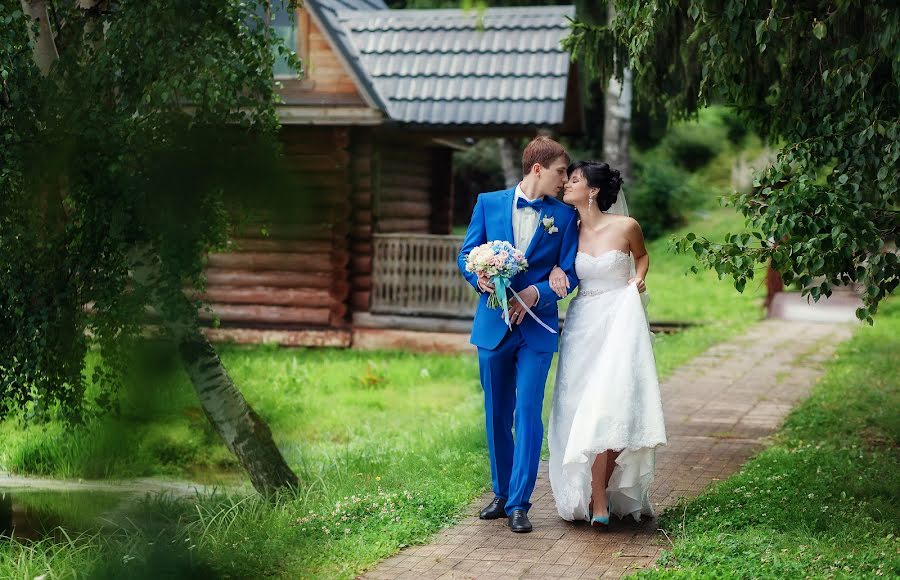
x: 336, y: 5
x: 503, y: 66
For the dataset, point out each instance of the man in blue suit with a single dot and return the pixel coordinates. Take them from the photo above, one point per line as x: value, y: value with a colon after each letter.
x: 514, y: 363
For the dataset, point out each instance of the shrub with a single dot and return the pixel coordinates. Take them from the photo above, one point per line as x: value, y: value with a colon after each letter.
x: 172, y: 444
x: 735, y: 128
x: 727, y: 119
x: 661, y: 197
x: 692, y: 145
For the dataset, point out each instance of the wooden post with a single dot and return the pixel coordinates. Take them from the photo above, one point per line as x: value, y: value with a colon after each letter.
x: 442, y: 191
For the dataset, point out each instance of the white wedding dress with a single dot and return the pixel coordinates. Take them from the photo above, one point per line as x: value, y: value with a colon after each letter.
x: 607, y: 392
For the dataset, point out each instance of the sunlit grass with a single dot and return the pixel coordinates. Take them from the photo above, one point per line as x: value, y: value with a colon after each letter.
x: 387, y: 445
x: 318, y: 403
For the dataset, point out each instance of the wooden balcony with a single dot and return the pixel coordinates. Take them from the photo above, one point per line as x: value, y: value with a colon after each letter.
x: 416, y: 274
x: 416, y: 286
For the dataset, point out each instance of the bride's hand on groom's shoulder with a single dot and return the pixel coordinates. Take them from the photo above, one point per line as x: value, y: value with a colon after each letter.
x: 639, y: 282
x: 559, y: 282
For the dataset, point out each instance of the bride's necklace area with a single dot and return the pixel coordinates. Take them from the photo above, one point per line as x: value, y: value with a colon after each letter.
x: 598, y: 224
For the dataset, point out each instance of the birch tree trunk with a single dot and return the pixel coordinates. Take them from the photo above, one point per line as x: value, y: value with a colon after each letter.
x: 617, y: 118
x: 242, y: 430
x: 91, y: 7
x: 512, y: 173
x: 43, y: 48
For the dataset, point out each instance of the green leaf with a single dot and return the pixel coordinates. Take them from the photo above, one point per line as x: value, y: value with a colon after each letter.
x: 819, y: 30
x: 760, y: 29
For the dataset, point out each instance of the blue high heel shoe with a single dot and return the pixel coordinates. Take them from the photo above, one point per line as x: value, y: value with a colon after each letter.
x: 601, y: 521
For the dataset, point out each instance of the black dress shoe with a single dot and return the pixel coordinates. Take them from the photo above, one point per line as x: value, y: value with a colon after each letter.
x: 494, y: 510
x: 518, y: 522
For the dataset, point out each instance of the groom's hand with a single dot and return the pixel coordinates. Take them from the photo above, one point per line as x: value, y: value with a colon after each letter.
x: 484, y: 283
x: 529, y: 296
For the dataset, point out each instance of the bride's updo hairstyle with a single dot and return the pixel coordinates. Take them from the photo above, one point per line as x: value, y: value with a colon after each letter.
x: 600, y: 175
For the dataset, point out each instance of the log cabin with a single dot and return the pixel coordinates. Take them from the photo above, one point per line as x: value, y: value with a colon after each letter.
x: 370, y: 124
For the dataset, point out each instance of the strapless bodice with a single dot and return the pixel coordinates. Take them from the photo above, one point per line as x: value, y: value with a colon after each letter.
x: 608, y: 271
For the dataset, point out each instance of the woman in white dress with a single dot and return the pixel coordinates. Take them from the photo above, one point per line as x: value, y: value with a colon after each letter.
x: 606, y: 420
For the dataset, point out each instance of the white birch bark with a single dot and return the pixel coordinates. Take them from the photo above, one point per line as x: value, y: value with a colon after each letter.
x: 617, y: 119
x: 91, y: 23
x: 242, y: 430
x: 512, y: 172
x: 43, y: 47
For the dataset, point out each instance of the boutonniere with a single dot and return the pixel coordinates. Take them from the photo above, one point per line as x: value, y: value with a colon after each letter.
x: 549, y: 226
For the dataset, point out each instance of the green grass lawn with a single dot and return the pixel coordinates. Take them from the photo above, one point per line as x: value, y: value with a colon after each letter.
x: 822, y: 501
x: 320, y: 404
x: 389, y: 446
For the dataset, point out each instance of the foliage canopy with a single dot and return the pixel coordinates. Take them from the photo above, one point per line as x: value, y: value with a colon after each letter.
x: 820, y: 78
x: 155, y: 117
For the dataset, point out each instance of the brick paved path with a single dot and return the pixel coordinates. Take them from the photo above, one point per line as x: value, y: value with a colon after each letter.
x: 719, y: 408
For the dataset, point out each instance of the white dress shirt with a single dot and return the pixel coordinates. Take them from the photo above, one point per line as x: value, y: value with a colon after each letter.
x: 524, y: 221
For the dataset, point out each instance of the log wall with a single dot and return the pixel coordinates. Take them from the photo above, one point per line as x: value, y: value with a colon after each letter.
x: 293, y: 271
x: 442, y: 191
x: 404, y: 193
x: 311, y: 265
x: 365, y: 184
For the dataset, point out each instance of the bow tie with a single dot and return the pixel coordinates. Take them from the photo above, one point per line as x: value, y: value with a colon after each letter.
x: 536, y: 205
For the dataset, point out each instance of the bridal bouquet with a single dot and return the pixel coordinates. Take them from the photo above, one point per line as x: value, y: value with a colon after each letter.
x: 499, y: 261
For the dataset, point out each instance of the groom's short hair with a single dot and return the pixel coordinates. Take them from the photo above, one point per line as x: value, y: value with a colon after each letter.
x: 543, y: 150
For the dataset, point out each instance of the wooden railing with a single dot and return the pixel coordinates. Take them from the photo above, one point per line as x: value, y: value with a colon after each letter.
x: 417, y: 274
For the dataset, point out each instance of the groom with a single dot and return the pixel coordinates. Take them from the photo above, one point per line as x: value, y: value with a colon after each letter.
x: 514, y: 363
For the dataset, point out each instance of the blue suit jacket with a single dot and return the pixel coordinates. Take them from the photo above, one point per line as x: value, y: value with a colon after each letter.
x: 492, y: 220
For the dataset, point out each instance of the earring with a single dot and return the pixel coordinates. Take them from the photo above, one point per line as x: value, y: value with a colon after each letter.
x: 590, y: 203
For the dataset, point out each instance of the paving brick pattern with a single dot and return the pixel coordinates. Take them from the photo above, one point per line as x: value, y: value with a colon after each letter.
x: 719, y: 409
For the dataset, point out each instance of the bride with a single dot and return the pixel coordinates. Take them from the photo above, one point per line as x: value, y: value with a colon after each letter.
x: 606, y: 420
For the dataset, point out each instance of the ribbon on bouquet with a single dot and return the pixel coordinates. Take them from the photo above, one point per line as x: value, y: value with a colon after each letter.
x: 528, y: 310
x: 500, y: 286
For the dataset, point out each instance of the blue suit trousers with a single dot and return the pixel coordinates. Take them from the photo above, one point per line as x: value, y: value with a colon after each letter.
x: 513, y: 378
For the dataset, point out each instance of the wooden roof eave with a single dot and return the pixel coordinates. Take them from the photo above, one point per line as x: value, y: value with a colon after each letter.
x: 325, y: 114
x: 457, y: 131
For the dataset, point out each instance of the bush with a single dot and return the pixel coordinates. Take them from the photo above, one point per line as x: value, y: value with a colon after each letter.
x: 735, y: 127
x: 725, y: 119
x: 692, y: 145
x: 661, y: 197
